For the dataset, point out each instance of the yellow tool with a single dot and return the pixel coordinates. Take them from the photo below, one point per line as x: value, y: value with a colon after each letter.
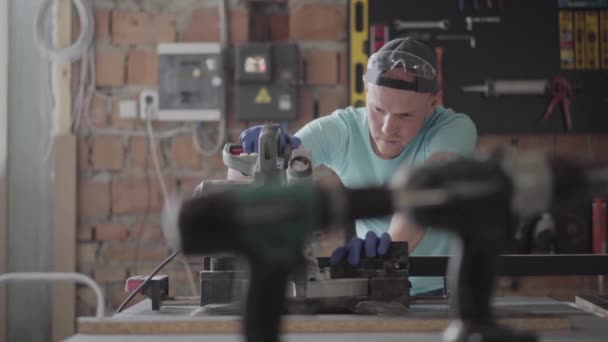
x: 359, y: 36
x: 592, y: 44
x: 566, y: 39
x: 579, y: 40
x: 604, y: 38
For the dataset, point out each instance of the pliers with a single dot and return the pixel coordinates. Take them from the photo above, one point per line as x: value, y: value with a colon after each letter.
x: 560, y: 90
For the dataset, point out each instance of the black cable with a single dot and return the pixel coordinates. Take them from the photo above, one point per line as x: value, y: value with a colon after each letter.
x: 142, y: 285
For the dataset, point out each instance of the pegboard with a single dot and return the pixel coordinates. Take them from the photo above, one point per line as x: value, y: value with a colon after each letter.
x: 525, y: 45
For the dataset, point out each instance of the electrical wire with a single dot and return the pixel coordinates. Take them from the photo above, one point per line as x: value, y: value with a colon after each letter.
x: 224, y: 24
x: 145, y: 282
x: 163, y: 186
x: 74, y: 51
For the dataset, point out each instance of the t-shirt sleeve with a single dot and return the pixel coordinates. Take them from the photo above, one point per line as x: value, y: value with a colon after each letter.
x: 327, y: 139
x: 458, y: 135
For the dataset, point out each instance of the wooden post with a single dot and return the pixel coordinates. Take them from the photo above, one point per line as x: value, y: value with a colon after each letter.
x: 64, y: 184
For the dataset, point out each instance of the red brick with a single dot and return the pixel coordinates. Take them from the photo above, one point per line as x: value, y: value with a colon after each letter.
x: 86, y: 253
x: 127, y: 252
x: 321, y: 67
x: 134, y: 196
x: 142, y: 67
x: 110, y: 69
x: 331, y: 99
x: 85, y: 232
x: 318, y: 22
x: 235, y: 127
x: 105, y: 274
x: 110, y: 231
x: 116, y: 295
x: 139, y: 147
x: 146, y: 231
x: 134, y: 27
x: 86, y: 301
x: 102, y: 24
x: 100, y: 111
x: 184, y: 154
x: 187, y: 186
x: 93, y: 199
x: 215, y: 163
x: 574, y: 146
x: 84, y: 152
x: 108, y: 153
x: 279, y: 27
x: 204, y: 26
x: 306, y: 107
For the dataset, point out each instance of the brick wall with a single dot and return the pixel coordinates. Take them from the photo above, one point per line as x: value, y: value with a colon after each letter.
x: 119, y: 197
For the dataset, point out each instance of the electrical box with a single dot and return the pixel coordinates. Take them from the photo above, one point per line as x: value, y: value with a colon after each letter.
x: 267, y: 77
x: 192, y: 83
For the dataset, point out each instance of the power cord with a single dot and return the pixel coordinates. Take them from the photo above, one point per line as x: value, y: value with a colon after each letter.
x: 142, y: 285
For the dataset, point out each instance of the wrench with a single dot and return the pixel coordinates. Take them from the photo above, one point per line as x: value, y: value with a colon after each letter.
x: 409, y: 25
x: 471, y: 20
x: 470, y: 38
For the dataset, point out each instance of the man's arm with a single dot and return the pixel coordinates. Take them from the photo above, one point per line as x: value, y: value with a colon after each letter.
x: 402, y: 228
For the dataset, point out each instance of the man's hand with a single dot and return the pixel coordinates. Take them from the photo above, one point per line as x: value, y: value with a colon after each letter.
x: 249, y: 139
x: 373, y: 246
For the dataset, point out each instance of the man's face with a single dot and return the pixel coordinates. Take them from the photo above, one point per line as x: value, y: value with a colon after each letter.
x: 395, y: 116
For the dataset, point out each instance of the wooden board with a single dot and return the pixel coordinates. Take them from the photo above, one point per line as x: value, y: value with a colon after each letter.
x: 183, y: 317
x: 64, y: 235
x: 64, y: 185
x: 313, y: 324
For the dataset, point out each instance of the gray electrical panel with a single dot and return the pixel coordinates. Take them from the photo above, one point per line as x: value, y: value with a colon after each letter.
x: 192, y: 84
x: 267, y: 77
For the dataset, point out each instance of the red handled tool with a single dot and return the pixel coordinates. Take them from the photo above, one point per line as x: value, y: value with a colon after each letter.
x: 560, y: 90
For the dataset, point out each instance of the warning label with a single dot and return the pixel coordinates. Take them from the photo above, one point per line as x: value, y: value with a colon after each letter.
x: 263, y: 97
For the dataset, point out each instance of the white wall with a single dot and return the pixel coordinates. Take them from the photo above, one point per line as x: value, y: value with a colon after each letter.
x: 29, y: 240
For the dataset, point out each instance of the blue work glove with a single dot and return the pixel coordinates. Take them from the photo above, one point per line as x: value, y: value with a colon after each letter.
x: 373, y: 246
x: 249, y: 139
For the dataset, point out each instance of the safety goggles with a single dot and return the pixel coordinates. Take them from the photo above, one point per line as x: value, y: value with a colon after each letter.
x: 383, y: 61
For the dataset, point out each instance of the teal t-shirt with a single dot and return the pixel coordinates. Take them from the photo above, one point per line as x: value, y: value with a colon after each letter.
x: 341, y: 141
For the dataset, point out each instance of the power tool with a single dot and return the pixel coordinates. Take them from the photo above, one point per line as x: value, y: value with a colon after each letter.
x: 474, y: 198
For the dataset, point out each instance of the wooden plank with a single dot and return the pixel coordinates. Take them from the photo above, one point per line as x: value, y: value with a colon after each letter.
x: 4, y: 27
x: 62, y: 72
x: 312, y: 324
x: 64, y: 235
x: 64, y: 185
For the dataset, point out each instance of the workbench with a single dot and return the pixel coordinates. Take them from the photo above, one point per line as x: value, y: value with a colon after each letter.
x: 551, y: 319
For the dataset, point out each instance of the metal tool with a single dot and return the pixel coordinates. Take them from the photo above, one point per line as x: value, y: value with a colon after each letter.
x: 328, y: 289
x: 476, y: 199
x: 509, y: 87
x: 422, y: 25
x: 470, y: 38
x: 560, y: 90
x: 471, y: 20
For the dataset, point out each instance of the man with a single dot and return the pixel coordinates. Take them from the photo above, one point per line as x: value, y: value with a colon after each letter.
x: 401, y: 126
